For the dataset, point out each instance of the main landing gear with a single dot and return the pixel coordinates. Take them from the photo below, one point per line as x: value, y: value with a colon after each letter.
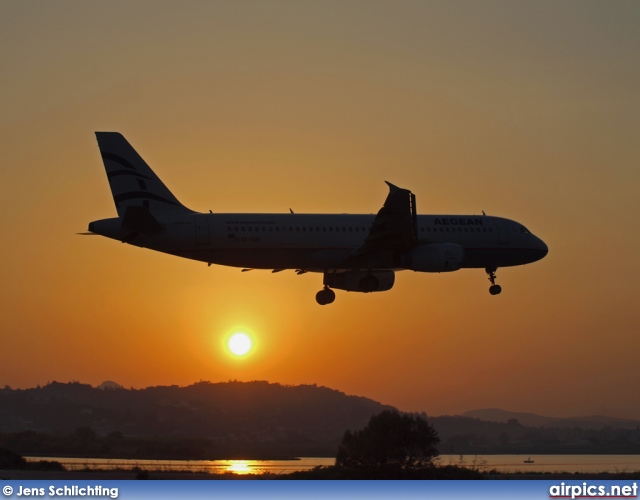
x: 493, y: 289
x: 325, y: 296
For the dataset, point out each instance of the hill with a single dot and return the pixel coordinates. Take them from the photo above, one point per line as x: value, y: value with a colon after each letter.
x: 263, y: 420
x: 533, y: 420
x: 246, y: 418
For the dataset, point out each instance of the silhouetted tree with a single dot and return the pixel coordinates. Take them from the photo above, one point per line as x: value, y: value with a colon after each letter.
x: 391, y: 441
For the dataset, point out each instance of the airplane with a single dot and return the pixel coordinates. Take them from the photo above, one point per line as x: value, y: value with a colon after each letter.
x: 356, y: 253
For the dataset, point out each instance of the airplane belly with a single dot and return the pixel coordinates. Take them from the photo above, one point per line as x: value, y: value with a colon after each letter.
x: 271, y: 258
x: 498, y: 257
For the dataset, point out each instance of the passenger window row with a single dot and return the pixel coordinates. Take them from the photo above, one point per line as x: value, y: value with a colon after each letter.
x: 298, y: 229
x: 343, y: 229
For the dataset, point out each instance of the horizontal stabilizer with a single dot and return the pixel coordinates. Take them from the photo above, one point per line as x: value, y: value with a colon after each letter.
x: 140, y: 220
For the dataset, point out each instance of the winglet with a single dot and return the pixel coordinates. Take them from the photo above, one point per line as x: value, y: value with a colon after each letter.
x: 395, y: 226
x: 392, y: 187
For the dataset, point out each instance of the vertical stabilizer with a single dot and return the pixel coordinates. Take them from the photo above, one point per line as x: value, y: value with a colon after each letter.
x: 132, y: 182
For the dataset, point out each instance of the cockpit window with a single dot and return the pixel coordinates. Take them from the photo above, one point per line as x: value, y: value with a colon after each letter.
x: 524, y: 230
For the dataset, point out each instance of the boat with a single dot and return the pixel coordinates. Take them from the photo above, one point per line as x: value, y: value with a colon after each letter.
x: 528, y: 461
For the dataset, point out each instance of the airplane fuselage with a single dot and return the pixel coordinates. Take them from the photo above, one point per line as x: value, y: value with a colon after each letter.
x: 323, y: 242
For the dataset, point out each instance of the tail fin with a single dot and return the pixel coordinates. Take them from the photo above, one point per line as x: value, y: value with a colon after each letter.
x: 133, y: 183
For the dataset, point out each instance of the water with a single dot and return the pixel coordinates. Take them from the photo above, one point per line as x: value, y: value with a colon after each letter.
x: 501, y: 463
x: 240, y: 467
x: 546, y: 463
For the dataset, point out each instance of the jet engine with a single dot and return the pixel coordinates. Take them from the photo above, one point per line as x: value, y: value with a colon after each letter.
x: 360, y: 281
x: 434, y: 258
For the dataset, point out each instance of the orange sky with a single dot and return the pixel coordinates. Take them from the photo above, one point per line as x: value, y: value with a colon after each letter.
x: 527, y: 110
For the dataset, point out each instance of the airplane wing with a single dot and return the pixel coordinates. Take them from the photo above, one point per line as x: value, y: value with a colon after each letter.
x: 395, y: 227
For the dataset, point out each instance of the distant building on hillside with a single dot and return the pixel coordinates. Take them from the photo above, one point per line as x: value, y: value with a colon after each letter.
x: 108, y: 384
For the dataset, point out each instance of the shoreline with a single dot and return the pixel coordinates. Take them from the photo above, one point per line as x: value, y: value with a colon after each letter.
x: 139, y: 474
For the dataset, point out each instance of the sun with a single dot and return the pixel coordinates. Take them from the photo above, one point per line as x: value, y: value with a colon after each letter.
x: 239, y: 344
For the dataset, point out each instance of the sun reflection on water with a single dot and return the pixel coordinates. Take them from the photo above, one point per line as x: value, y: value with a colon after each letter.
x: 241, y: 467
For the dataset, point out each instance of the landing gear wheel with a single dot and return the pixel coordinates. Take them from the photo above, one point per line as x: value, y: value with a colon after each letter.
x: 493, y: 289
x: 325, y: 296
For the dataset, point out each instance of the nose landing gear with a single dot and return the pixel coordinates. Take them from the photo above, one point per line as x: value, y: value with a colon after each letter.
x: 493, y: 289
x: 325, y: 296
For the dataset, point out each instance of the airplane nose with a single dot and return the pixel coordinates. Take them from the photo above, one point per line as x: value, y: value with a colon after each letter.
x: 543, y: 248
